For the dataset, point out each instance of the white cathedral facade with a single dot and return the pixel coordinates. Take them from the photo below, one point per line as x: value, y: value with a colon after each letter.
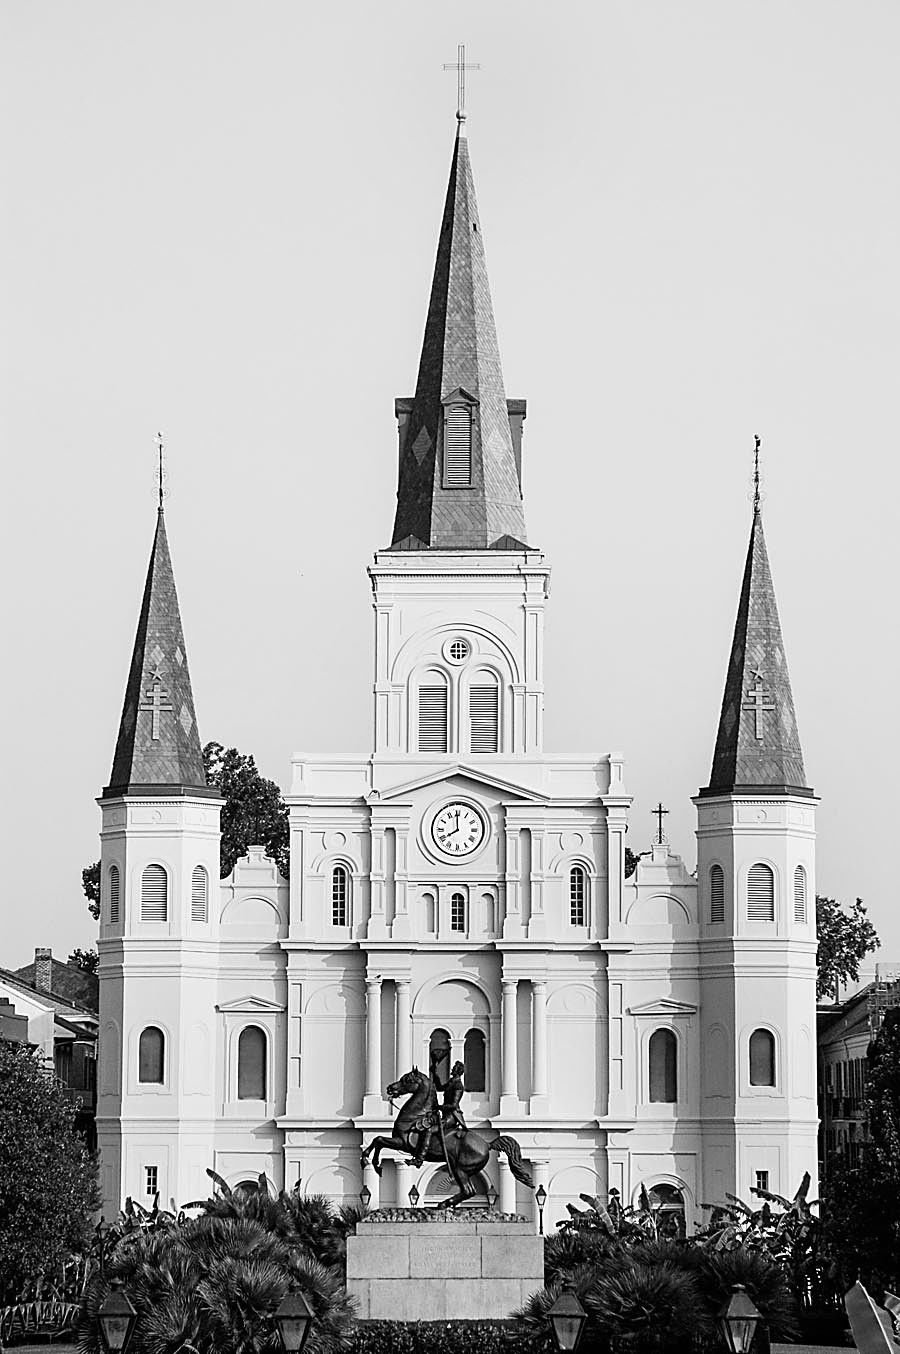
x: 459, y: 893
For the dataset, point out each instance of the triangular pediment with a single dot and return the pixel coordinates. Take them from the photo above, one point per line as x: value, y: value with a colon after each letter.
x: 663, y: 1006
x: 478, y: 777
x: 251, y: 1006
x: 460, y: 396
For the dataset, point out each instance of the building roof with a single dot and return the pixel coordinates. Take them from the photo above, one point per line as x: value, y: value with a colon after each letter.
x: 68, y: 981
x: 22, y: 980
x: 158, y: 748
x: 758, y: 745
x: 460, y: 363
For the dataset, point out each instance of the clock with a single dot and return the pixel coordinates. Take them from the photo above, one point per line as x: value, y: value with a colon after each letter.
x: 458, y: 830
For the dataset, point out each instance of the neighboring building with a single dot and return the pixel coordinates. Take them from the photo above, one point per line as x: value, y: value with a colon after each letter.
x: 459, y: 892
x: 54, y: 1005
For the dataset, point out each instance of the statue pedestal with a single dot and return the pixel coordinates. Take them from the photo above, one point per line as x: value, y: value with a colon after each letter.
x: 410, y: 1264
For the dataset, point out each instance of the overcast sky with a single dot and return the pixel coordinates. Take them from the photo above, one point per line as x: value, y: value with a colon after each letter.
x: 219, y: 219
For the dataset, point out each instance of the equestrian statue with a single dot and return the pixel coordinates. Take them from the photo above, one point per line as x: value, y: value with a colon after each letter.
x: 425, y: 1131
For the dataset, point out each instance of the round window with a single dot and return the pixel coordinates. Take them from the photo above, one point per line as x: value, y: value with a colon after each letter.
x: 459, y: 650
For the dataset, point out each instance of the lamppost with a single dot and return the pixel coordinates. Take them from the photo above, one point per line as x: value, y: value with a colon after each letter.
x: 117, y: 1317
x: 365, y: 1197
x: 294, y: 1318
x: 567, y: 1320
x: 738, y: 1321
x: 492, y: 1197
x: 540, y: 1198
x: 414, y: 1197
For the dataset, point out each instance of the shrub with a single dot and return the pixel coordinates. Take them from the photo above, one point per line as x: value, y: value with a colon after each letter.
x: 439, y: 1337
x: 648, y: 1306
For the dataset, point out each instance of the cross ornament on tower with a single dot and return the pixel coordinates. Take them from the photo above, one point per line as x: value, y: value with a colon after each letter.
x: 459, y: 65
x: 659, y: 813
x: 157, y: 701
x: 758, y: 701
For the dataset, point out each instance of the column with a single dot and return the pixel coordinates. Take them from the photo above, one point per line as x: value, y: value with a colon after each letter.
x: 404, y: 1177
x: 509, y: 1093
x: 538, y: 1047
x: 373, y: 1103
x: 403, y: 1032
x: 372, y: 1181
x: 377, y: 927
x: 507, y: 1188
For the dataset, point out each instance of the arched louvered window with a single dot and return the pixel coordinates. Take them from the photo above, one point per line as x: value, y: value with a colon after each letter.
x: 761, y: 894
x: 458, y: 912
x: 151, y: 1056
x: 762, y: 1058
x: 577, y: 896
x: 663, y: 1054
x: 457, y: 447
x: 340, y: 896
x: 484, y: 713
x: 800, y: 894
x: 716, y: 895
x: 474, y: 1061
x: 154, y: 894
x: 433, y: 704
x: 113, y: 888
x: 251, y: 1076
x: 199, y: 894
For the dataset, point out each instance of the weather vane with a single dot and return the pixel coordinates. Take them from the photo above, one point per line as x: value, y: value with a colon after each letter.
x: 161, y: 469
x: 459, y: 65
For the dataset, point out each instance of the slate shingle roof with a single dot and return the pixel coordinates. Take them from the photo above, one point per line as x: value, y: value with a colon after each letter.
x: 459, y: 354
x: 158, y: 748
x: 68, y: 981
x: 758, y: 744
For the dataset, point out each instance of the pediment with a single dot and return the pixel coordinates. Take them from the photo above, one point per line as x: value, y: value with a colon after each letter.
x: 459, y: 396
x: 663, y: 1006
x: 250, y: 1006
x: 478, y: 777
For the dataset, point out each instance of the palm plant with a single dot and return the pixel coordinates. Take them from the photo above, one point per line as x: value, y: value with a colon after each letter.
x: 648, y: 1307
x: 764, y: 1279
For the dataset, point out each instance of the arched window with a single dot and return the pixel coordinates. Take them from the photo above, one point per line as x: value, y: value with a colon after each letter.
x: 433, y: 705
x: 427, y: 913
x: 113, y: 883
x: 716, y: 895
x: 458, y: 912
x: 760, y: 894
x: 663, y: 1052
x: 151, y: 1056
x: 474, y: 1061
x: 800, y: 894
x: 199, y: 894
x: 457, y: 447
x: 670, y: 1218
x: 154, y: 894
x: 484, y: 713
x: 762, y: 1058
x: 251, y: 1077
x: 577, y: 896
x: 439, y: 1055
x: 340, y: 895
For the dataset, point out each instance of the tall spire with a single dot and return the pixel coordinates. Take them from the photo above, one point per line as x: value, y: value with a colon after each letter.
x: 158, y: 748
x: 758, y: 745
x: 459, y: 479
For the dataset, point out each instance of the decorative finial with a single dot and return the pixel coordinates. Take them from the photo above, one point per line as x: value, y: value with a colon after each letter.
x: 161, y: 474
x: 756, y: 493
x: 459, y: 65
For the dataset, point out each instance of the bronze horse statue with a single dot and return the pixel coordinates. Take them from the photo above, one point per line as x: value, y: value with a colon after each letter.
x: 464, y: 1154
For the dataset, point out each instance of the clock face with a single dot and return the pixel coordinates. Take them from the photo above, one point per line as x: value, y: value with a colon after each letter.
x: 458, y: 830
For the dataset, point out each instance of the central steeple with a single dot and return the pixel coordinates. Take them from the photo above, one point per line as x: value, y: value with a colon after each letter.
x: 459, y: 486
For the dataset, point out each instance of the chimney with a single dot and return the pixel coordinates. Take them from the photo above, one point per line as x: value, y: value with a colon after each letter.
x: 43, y: 970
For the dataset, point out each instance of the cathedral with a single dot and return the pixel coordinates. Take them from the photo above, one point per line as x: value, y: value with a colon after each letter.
x: 456, y: 892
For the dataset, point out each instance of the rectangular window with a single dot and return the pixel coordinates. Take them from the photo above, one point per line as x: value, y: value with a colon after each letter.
x: 432, y: 719
x: 151, y: 1180
x: 762, y: 1179
x: 484, y: 714
x: 458, y: 447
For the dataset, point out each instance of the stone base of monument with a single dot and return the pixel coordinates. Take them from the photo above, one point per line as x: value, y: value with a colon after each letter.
x: 409, y: 1264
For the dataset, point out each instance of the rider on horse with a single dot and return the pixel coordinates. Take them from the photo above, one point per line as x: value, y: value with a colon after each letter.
x: 452, y: 1119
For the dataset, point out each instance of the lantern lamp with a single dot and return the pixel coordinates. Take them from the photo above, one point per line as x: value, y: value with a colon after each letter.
x: 540, y: 1198
x: 118, y: 1318
x: 738, y: 1320
x: 294, y: 1318
x: 492, y: 1197
x: 365, y: 1196
x: 414, y: 1197
x: 567, y: 1319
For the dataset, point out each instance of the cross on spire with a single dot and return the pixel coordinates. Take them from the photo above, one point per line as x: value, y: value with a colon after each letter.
x: 659, y: 813
x: 157, y: 701
x: 756, y: 495
x: 459, y: 65
x: 161, y: 472
x: 758, y: 700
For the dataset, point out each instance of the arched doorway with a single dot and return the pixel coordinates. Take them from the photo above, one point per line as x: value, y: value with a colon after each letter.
x: 669, y: 1201
x: 439, y: 1055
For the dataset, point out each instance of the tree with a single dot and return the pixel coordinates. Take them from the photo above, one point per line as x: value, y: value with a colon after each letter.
x: 90, y: 882
x: 254, y: 812
x: 48, y: 1181
x: 89, y: 960
x: 845, y: 936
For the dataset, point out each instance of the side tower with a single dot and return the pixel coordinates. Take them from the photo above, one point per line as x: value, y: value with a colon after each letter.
x: 756, y: 880
x: 158, y: 922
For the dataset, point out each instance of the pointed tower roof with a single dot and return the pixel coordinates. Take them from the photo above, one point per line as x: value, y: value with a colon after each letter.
x: 758, y: 745
x: 158, y: 748
x: 475, y: 500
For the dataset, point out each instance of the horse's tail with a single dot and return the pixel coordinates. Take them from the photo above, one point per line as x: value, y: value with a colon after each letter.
x: 514, y: 1157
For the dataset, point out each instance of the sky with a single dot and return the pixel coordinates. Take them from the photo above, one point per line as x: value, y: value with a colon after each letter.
x: 219, y: 221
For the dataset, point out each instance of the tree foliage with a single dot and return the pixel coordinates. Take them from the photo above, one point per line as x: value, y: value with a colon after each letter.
x: 48, y: 1181
x: 254, y: 812
x: 845, y: 937
x: 89, y: 960
x: 90, y: 883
